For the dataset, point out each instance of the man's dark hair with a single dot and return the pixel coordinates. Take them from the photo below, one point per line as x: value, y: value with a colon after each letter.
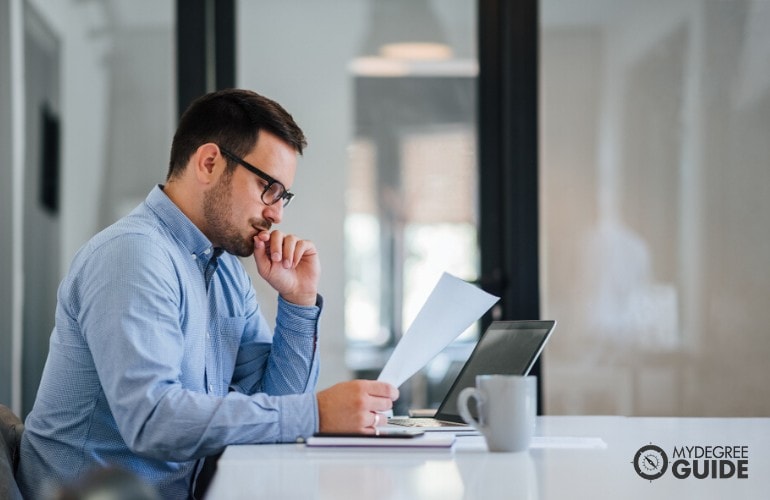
x: 232, y: 119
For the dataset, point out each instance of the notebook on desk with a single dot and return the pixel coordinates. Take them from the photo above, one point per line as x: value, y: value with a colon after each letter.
x: 505, y: 348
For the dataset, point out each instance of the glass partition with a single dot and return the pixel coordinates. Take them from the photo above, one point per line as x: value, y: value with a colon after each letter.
x: 655, y: 208
x: 385, y: 91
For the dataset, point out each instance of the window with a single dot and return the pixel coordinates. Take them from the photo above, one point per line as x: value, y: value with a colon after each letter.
x: 411, y: 202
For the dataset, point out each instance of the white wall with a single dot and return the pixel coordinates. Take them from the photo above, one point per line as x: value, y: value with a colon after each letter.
x: 84, y: 84
x: 40, y: 250
x: 142, y: 104
x: 11, y: 137
x: 90, y: 92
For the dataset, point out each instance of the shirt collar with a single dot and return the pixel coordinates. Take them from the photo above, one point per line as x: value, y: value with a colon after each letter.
x: 180, y: 226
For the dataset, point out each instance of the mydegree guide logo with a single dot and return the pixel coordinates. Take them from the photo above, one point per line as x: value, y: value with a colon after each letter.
x: 699, y: 462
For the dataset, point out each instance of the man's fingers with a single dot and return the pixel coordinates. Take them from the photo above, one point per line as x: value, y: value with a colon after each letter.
x: 276, y: 246
x: 382, y: 390
x: 261, y: 255
x: 289, y: 251
x: 381, y: 404
x: 286, y: 249
x: 303, y: 248
x: 381, y: 395
x: 351, y: 406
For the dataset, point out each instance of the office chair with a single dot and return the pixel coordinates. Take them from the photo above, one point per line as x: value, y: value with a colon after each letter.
x: 11, y: 428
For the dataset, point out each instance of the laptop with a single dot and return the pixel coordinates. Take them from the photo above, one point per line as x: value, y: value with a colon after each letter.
x: 505, y: 348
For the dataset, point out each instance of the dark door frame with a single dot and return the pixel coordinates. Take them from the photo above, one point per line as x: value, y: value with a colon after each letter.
x: 205, y: 41
x: 508, y: 158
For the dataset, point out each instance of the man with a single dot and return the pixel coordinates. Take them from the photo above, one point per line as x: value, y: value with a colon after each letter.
x: 160, y: 355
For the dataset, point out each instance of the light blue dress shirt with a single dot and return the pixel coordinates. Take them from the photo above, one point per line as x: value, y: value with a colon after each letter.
x: 161, y: 356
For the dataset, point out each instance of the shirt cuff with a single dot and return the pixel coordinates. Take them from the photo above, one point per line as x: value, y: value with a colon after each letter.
x: 299, y: 318
x: 304, y: 312
x: 298, y: 417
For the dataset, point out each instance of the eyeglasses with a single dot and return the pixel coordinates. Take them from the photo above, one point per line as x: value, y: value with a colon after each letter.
x: 274, y: 191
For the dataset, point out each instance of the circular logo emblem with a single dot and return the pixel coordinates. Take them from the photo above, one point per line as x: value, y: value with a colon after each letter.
x: 650, y: 462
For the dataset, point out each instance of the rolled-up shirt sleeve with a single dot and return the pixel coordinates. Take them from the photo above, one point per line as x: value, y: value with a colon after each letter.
x: 287, y: 365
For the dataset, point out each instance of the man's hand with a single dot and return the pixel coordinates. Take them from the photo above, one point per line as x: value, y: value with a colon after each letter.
x: 288, y: 264
x: 352, y: 406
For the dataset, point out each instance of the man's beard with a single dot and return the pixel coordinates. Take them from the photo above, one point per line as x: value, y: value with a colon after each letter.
x: 217, y: 210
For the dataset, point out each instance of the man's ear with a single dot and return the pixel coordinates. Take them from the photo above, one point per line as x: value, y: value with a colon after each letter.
x: 208, y: 163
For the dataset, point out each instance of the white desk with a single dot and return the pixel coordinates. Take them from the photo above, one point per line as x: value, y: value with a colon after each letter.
x: 468, y: 471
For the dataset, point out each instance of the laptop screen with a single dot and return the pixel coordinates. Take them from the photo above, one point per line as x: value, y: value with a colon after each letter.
x: 506, y: 348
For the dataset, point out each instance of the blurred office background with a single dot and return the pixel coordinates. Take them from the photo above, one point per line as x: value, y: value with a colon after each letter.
x: 653, y: 121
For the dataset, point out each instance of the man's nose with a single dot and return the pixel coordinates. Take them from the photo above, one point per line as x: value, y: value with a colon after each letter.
x: 274, y: 212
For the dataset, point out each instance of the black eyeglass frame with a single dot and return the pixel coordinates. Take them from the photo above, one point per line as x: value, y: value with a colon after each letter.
x: 285, y: 195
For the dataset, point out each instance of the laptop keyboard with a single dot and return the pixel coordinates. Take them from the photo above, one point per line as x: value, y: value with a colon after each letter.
x: 418, y: 422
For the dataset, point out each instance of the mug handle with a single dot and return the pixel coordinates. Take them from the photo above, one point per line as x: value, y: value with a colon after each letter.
x: 462, y: 405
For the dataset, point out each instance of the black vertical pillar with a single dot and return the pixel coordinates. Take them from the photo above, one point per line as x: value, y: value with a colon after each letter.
x: 224, y: 44
x: 508, y: 145
x: 205, y: 43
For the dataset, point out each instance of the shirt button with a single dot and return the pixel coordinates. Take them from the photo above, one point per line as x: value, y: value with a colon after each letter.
x: 208, y: 335
x: 207, y: 251
x: 211, y: 387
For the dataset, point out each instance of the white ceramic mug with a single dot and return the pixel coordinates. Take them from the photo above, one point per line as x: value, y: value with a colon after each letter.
x: 507, y: 407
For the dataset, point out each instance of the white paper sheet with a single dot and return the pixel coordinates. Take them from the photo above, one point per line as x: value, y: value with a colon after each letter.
x: 451, y: 308
x: 425, y: 441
